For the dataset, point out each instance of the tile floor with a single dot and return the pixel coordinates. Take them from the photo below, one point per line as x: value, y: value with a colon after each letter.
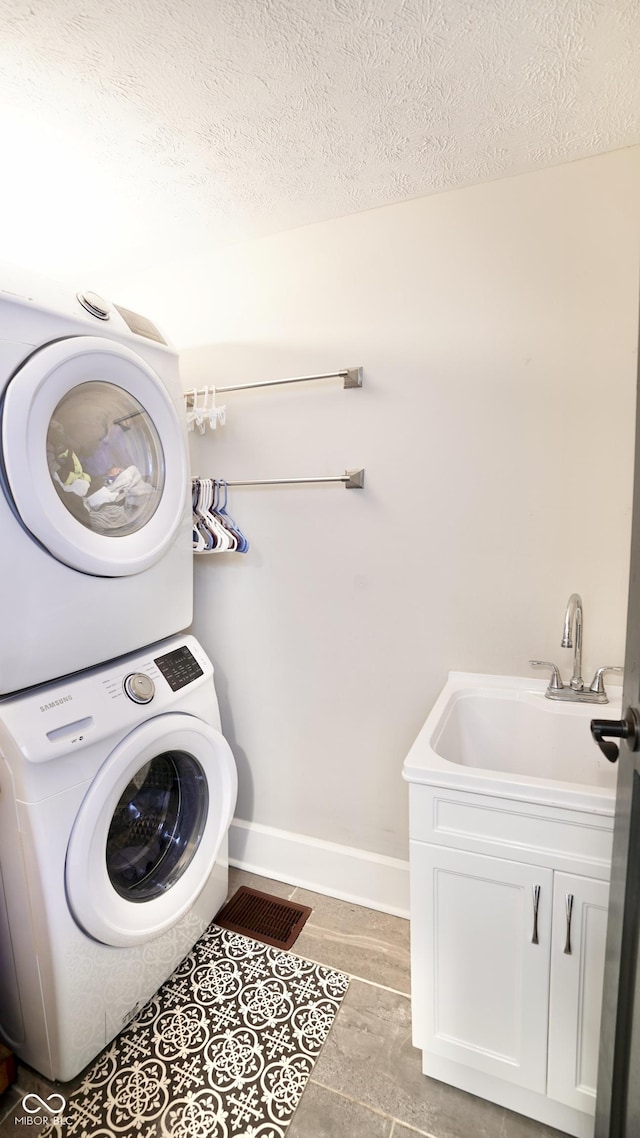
x: 368, y: 1081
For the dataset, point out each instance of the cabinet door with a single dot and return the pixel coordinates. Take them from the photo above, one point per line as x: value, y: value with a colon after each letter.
x: 576, y: 989
x: 480, y: 983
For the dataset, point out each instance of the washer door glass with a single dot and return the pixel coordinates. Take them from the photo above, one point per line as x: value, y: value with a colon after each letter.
x: 94, y: 456
x: 149, y: 829
x: 157, y: 826
x: 105, y: 459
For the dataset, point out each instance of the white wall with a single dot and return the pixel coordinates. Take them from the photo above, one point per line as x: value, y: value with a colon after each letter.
x: 497, y: 329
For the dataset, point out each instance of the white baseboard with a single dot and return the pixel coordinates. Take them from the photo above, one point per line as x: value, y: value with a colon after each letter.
x: 349, y: 874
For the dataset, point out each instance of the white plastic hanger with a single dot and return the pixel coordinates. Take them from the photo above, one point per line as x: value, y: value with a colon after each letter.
x: 216, y: 414
x: 223, y: 540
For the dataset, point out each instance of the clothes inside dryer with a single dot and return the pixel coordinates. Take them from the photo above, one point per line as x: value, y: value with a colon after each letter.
x: 105, y: 458
x: 157, y: 826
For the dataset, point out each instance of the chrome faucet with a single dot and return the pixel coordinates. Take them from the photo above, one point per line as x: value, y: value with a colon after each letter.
x: 572, y: 638
x: 573, y: 620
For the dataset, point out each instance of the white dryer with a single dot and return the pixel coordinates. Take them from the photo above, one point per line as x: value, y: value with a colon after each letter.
x: 116, y: 795
x: 95, y: 512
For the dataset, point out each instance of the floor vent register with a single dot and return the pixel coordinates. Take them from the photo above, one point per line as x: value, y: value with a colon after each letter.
x: 269, y: 919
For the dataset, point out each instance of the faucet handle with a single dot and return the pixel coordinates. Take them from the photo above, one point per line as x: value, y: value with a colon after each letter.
x: 555, y: 683
x: 597, y: 683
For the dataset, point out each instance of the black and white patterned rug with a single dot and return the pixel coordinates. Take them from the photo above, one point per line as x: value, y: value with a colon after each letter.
x: 223, y: 1050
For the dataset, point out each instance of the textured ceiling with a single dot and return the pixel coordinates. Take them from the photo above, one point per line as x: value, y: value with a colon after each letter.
x: 133, y: 129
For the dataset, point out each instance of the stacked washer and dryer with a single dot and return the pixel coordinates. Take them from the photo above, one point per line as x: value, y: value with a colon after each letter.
x: 117, y: 787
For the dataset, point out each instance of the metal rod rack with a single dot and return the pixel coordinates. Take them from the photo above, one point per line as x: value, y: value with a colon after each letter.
x: 353, y: 480
x: 352, y: 377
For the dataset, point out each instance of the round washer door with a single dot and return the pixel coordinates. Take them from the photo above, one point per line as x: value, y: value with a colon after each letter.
x: 94, y: 456
x: 149, y: 829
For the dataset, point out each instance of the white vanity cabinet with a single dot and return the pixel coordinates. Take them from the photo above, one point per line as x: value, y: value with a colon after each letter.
x: 499, y: 1007
x: 576, y: 989
x: 485, y: 989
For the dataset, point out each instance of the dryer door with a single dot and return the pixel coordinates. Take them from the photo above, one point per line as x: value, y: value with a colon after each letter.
x: 149, y: 829
x: 94, y: 458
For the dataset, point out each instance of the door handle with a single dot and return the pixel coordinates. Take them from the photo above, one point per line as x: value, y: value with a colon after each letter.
x: 627, y: 728
x: 568, y: 905
x: 536, y: 905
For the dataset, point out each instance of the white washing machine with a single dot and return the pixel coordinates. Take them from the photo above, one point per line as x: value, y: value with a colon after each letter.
x: 116, y: 795
x: 95, y: 510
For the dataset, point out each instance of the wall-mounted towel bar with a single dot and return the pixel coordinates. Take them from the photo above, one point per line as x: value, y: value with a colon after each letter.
x: 352, y: 377
x: 353, y: 480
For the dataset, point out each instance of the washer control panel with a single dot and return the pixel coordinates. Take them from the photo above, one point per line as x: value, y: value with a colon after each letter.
x: 100, y: 704
x: 179, y: 667
x: 139, y: 687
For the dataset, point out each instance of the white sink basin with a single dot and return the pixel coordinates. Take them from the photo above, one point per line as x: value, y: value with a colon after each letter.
x: 499, y: 734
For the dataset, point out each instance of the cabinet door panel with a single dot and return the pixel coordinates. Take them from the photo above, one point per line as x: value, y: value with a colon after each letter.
x: 576, y: 990
x: 482, y: 995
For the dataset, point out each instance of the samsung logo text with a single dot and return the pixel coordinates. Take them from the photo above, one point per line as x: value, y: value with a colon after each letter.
x: 56, y: 702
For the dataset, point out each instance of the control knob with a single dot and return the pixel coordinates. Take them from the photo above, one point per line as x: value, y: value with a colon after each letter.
x: 139, y: 687
x: 94, y: 304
